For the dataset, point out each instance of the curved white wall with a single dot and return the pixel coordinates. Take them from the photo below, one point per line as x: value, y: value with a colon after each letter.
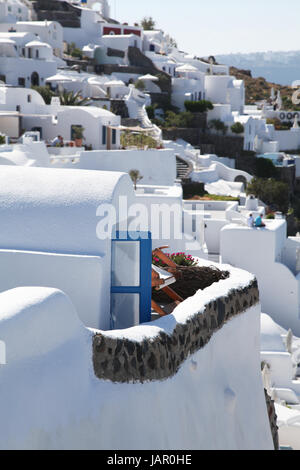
x: 209, y: 404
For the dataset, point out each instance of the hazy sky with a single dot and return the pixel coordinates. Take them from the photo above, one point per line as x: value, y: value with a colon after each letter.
x: 205, y: 27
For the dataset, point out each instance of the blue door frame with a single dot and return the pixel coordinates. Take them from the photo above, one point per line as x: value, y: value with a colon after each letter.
x: 144, y: 289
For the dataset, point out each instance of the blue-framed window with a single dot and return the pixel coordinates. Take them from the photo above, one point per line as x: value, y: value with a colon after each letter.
x: 131, y: 289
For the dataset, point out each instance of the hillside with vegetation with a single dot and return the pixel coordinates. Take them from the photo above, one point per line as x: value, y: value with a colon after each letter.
x: 258, y: 89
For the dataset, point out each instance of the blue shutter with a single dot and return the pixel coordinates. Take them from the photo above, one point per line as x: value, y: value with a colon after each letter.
x: 142, y: 291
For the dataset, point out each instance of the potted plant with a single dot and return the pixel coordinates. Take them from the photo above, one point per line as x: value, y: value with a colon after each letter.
x: 136, y: 177
x: 78, y: 135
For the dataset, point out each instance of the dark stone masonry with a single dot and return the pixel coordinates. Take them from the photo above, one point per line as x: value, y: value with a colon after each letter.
x: 126, y: 361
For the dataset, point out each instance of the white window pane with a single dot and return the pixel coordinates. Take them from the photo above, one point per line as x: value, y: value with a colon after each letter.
x: 125, y: 264
x: 125, y: 310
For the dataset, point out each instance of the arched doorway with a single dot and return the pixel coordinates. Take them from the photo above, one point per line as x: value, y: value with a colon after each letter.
x: 35, y: 79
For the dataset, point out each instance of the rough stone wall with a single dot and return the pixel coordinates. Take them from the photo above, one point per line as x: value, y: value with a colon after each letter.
x: 162, y: 100
x: 125, y: 361
x: 115, y: 53
x: 224, y: 146
x: 288, y: 175
x: 192, y: 136
x: 138, y: 59
x: 62, y: 12
x: 273, y: 420
x: 246, y: 163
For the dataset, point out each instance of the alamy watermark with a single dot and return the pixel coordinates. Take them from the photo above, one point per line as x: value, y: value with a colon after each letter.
x: 165, y: 221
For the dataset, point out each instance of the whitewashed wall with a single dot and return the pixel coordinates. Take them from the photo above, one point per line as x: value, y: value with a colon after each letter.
x: 83, y: 278
x: 209, y: 404
x: 260, y: 252
x: 288, y: 140
x: 156, y: 166
x: 14, y: 68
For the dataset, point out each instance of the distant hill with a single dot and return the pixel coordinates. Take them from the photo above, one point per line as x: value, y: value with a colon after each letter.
x: 259, y: 88
x: 278, y: 67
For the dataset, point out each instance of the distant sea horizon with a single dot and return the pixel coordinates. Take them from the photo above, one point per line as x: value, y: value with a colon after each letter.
x: 277, y: 67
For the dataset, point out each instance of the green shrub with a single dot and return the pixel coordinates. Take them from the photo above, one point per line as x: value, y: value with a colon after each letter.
x: 237, y: 128
x: 193, y: 189
x: 129, y: 139
x: 183, y: 120
x: 77, y: 53
x: 140, y: 85
x: 280, y: 125
x: 135, y: 177
x: 45, y: 92
x: 218, y: 125
x: 148, y: 23
x: 265, y: 168
x: 217, y: 197
x: 164, y: 82
x: 150, y: 112
x: 271, y: 192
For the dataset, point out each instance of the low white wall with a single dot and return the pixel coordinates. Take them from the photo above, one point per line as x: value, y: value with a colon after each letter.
x: 209, y: 404
x: 85, y: 279
x: 289, y: 254
x: 229, y: 162
x: 220, y: 111
x: 230, y: 174
x: 217, y: 171
x: 212, y: 234
x: 213, y: 223
x: 156, y: 166
x: 288, y: 140
x: 270, y: 147
x: 121, y: 42
x: 257, y: 250
x: 281, y: 369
